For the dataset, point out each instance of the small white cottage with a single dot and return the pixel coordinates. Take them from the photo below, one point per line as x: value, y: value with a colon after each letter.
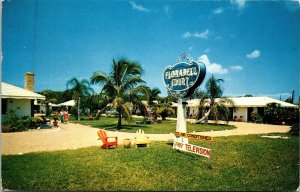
x: 18, y: 100
x: 244, y: 106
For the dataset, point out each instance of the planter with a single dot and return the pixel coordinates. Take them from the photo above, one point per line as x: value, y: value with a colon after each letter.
x: 127, y: 143
x: 55, y: 123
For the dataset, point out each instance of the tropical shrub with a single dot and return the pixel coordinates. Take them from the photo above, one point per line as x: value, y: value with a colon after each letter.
x: 13, y: 123
x: 275, y: 114
x: 294, y: 129
x: 165, y: 110
x: 256, y: 118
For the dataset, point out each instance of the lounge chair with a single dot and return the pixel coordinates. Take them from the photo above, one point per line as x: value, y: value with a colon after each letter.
x: 107, y: 141
x: 141, y: 139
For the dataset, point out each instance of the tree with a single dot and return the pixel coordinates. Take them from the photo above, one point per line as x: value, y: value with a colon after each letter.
x: 217, y: 109
x: 51, y: 97
x: 165, y: 110
x: 123, y: 86
x: 153, y: 95
x: 214, y: 89
x: 291, y: 99
x: 220, y: 109
x: 79, y: 88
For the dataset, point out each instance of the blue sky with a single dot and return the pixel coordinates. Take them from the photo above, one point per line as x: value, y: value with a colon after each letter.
x: 253, y: 46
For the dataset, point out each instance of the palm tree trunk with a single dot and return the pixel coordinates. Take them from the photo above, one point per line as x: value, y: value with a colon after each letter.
x: 78, y: 110
x: 119, y: 126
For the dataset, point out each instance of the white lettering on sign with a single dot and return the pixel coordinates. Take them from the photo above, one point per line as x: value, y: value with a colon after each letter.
x: 180, y: 81
x: 193, y: 149
x: 192, y: 71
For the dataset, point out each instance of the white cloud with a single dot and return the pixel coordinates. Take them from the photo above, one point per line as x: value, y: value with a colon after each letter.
x: 186, y: 35
x: 240, y: 3
x: 201, y: 35
x: 213, y: 68
x: 218, y: 11
x: 138, y: 7
x: 254, y: 54
x: 236, y: 68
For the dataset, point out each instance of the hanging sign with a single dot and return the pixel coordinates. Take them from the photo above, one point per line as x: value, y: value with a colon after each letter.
x: 193, y: 149
x: 193, y: 136
x: 183, y: 78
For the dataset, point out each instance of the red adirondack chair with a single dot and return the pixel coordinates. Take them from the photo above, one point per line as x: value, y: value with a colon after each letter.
x: 107, y: 140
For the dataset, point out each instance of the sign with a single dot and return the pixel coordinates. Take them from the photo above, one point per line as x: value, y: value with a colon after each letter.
x: 193, y: 149
x: 183, y: 78
x: 193, y: 136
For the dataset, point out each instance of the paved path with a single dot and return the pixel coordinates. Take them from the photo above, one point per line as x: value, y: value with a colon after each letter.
x: 73, y: 136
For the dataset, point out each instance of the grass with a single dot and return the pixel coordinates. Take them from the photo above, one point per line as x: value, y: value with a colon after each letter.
x: 243, y: 163
x: 166, y: 126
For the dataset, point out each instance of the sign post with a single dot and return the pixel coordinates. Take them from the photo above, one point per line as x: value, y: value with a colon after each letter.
x: 181, y: 80
x: 181, y: 121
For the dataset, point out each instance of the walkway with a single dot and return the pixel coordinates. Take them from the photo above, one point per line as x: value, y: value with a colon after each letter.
x: 73, y: 136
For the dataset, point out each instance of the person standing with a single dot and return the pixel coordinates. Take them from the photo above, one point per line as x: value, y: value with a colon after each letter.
x: 66, y: 116
x: 62, y: 113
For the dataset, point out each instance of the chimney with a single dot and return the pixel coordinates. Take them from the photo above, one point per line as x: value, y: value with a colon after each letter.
x: 29, y: 81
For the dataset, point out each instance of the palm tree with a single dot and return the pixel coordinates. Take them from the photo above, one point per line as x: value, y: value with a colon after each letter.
x: 79, y: 88
x: 153, y: 95
x: 220, y: 109
x: 214, y: 90
x: 123, y: 85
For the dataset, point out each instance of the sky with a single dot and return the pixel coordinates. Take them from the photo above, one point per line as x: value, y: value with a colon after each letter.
x: 254, y: 46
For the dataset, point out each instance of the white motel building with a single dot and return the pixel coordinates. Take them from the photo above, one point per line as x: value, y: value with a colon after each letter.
x: 244, y: 106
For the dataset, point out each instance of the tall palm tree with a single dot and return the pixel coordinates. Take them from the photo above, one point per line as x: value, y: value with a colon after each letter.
x: 123, y: 85
x: 214, y: 89
x: 79, y: 88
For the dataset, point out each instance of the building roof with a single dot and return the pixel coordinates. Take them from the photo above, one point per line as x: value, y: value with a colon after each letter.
x: 245, y: 102
x: 259, y: 102
x: 14, y: 92
x: 67, y: 103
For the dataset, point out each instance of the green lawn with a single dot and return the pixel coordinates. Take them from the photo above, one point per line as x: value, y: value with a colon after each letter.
x: 166, y: 126
x: 244, y: 163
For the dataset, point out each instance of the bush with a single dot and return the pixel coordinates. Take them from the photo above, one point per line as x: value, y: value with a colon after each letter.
x: 12, y: 123
x: 294, y: 129
x: 274, y: 114
x: 256, y: 117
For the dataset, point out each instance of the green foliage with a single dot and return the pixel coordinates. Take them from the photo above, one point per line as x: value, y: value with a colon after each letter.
x: 165, y: 110
x: 294, y: 129
x: 256, y: 118
x: 275, y: 114
x: 239, y: 163
x: 214, y: 88
x: 123, y: 86
x: 14, y: 123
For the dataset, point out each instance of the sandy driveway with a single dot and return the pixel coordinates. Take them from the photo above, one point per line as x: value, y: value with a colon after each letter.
x: 73, y: 136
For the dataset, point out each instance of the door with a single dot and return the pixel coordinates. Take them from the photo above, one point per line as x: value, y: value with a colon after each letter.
x: 249, y: 117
